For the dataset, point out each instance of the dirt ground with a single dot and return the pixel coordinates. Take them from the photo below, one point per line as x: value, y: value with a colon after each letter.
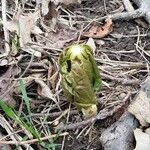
x: 123, y: 58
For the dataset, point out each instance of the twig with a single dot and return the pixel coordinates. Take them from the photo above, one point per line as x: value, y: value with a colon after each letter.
x: 105, y: 8
x: 34, y: 140
x: 128, y: 5
x: 123, y: 81
x: 137, y: 46
x: 4, y: 123
x: 54, y: 114
x: 63, y: 141
x: 101, y: 115
x: 6, y: 32
x: 124, y: 15
x: 121, y: 63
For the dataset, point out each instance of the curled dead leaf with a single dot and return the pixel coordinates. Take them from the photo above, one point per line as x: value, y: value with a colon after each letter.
x: 44, y: 91
x: 49, y: 6
x: 140, y: 107
x: 91, y: 43
x: 24, y: 25
x: 51, y: 13
x: 53, y: 80
x: 100, y: 31
x: 142, y: 140
x: 6, y: 81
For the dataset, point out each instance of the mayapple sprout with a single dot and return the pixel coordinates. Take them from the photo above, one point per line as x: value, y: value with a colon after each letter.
x: 80, y: 78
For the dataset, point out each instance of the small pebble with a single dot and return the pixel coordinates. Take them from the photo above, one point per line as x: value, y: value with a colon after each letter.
x: 122, y: 95
x: 99, y: 42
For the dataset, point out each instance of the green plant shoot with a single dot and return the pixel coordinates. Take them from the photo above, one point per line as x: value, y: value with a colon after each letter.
x: 80, y: 78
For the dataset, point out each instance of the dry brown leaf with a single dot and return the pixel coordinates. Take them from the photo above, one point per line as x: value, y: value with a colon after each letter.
x: 44, y: 91
x: 50, y: 16
x: 47, y: 7
x: 61, y: 37
x: 51, y: 13
x: 140, y: 107
x: 52, y: 77
x: 99, y: 31
x: 53, y: 80
x: 6, y: 81
x: 24, y: 25
x: 142, y: 140
x: 148, y: 131
x: 91, y: 43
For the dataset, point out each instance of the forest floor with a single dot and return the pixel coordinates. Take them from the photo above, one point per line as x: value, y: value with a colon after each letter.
x: 32, y: 36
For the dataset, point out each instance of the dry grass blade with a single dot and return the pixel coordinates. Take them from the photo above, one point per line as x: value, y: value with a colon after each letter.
x: 34, y: 140
x: 6, y: 32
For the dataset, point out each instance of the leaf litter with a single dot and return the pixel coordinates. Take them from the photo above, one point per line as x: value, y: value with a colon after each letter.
x: 43, y: 31
x: 100, y: 31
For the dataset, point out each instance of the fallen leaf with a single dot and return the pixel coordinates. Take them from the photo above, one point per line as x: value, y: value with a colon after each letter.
x: 99, y: 31
x: 52, y: 77
x: 6, y: 81
x: 147, y: 131
x: 91, y: 43
x: 24, y: 25
x: 53, y: 80
x: 44, y: 91
x: 51, y: 12
x: 61, y: 37
x: 142, y: 140
x: 140, y: 107
x: 49, y: 8
x: 50, y: 16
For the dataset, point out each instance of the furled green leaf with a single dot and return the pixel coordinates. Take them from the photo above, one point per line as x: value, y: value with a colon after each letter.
x: 80, y: 77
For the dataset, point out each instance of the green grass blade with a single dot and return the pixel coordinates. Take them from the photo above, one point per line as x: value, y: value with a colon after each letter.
x: 12, y: 115
x: 9, y: 112
x: 27, y: 102
x: 25, y: 97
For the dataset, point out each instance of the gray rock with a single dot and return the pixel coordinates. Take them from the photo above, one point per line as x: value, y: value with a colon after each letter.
x: 119, y: 136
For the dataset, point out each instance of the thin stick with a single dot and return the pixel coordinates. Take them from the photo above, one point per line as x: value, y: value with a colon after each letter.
x: 121, y: 80
x: 6, y: 32
x: 125, y: 15
x: 100, y: 116
x: 137, y: 45
x: 128, y: 6
x: 63, y: 142
x: 33, y: 140
x: 105, y: 8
